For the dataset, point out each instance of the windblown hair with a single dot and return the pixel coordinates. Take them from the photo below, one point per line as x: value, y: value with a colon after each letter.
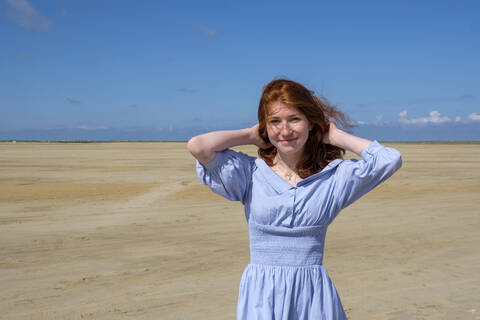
x: 318, y: 112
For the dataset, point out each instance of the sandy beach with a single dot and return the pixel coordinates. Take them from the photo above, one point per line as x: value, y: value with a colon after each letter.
x: 126, y: 231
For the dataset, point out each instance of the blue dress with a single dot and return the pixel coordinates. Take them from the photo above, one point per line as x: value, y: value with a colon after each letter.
x: 285, y: 279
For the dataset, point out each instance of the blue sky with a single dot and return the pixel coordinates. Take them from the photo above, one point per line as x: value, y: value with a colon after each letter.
x: 402, y: 70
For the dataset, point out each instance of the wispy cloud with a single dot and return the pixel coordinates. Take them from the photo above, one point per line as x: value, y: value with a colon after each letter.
x: 206, y: 31
x: 22, y: 12
x: 433, y: 118
x: 73, y: 101
x: 379, y: 121
x: 89, y: 127
x: 63, y: 12
x: 466, y: 96
x: 24, y: 57
x: 185, y: 90
x: 471, y: 118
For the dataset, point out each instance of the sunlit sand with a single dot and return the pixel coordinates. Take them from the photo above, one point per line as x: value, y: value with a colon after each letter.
x: 126, y: 231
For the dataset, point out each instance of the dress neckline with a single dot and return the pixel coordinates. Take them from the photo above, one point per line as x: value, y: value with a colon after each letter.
x: 282, y: 185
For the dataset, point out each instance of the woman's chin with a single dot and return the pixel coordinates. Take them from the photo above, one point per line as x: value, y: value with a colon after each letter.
x: 288, y: 150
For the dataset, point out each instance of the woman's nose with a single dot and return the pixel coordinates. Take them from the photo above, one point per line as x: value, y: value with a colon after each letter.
x: 285, y: 128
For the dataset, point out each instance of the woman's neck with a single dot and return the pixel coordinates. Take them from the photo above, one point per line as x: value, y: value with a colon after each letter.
x: 289, y: 161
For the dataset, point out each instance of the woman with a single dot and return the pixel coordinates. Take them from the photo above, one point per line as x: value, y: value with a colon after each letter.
x: 291, y: 194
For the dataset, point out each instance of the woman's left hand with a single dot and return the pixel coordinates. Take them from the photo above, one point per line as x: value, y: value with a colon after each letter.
x: 327, y: 138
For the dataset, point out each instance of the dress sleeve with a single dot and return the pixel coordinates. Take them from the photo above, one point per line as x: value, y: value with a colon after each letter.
x: 229, y: 174
x: 354, y: 178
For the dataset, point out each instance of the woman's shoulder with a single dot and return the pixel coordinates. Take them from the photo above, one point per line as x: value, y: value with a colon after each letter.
x: 230, y: 158
x: 238, y: 155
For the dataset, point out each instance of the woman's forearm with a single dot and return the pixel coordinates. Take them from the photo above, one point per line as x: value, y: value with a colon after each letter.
x: 203, y: 147
x: 348, y: 142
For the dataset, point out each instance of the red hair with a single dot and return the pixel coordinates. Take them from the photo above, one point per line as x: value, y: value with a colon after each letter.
x: 318, y: 112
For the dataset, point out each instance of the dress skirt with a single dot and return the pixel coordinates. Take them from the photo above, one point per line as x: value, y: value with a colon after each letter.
x: 270, y: 292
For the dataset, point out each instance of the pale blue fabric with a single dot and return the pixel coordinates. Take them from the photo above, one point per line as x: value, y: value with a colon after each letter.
x: 285, y: 279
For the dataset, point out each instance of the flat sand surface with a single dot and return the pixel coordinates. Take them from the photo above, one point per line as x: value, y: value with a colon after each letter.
x: 126, y: 231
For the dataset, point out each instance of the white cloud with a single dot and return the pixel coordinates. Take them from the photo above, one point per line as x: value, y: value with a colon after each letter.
x: 458, y: 119
x: 206, y: 31
x: 433, y: 118
x: 27, y: 17
x: 474, y: 116
x: 379, y: 121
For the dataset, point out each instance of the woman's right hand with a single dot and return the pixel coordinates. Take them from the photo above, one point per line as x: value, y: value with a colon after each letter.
x: 256, y: 139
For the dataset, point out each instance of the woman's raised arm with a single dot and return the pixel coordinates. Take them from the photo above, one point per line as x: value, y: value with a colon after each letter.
x: 354, y: 178
x: 344, y: 140
x: 203, y: 147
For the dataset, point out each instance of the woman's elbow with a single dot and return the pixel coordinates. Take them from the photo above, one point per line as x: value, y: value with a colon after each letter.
x: 198, y: 149
x: 194, y: 146
x: 396, y: 162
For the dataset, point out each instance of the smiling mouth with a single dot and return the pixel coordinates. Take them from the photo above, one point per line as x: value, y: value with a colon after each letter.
x: 287, y: 140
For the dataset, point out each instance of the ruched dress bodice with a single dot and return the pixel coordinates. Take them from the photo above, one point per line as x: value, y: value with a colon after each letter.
x: 283, y: 246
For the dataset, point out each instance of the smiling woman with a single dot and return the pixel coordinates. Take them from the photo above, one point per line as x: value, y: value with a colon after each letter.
x: 291, y: 194
x: 308, y: 117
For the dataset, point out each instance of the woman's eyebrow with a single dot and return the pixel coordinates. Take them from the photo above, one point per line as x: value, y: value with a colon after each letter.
x: 289, y: 116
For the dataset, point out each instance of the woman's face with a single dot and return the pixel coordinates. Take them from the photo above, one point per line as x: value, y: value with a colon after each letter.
x: 287, y: 128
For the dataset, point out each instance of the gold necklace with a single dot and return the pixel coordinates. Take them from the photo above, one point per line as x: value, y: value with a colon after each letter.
x: 288, y: 175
